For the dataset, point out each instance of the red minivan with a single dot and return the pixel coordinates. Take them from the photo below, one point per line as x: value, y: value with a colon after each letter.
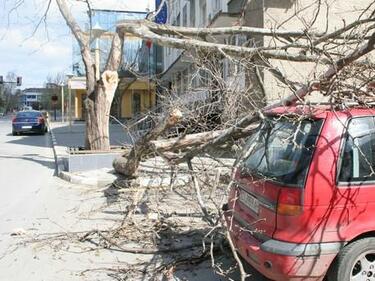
x: 302, y: 206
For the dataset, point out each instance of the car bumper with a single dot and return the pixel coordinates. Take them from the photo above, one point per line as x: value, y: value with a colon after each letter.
x: 283, y: 261
x: 37, y: 128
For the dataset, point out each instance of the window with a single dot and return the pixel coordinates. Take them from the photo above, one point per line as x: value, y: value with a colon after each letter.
x: 281, y: 150
x: 203, y: 11
x: 358, y: 156
x: 28, y: 114
x: 217, y: 5
x: 178, y: 20
x: 184, y: 16
x: 192, y: 12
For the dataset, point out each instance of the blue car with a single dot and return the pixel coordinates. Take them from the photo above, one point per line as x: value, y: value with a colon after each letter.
x: 29, y: 121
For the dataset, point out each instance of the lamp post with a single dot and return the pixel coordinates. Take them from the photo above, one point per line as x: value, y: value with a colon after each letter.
x: 62, y: 101
x: 70, y: 76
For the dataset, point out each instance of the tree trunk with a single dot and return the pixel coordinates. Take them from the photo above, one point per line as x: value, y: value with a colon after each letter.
x: 97, y: 122
x: 98, y: 107
x: 194, y: 140
x: 99, y: 93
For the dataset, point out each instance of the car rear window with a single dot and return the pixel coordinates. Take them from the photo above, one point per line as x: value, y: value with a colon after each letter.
x: 28, y: 114
x: 281, y: 150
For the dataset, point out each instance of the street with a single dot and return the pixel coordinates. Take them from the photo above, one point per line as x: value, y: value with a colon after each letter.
x: 35, y: 202
x: 26, y: 166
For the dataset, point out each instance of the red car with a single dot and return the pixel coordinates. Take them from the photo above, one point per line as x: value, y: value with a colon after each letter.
x: 302, y: 206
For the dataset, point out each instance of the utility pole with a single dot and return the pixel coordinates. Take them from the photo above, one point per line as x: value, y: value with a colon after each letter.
x: 62, y: 102
x: 70, y: 101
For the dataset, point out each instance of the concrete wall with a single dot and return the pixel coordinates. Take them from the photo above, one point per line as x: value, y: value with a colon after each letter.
x: 283, y: 14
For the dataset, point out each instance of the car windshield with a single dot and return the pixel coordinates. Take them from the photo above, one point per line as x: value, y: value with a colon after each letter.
x: 28, y: 114
x: 281, y: 150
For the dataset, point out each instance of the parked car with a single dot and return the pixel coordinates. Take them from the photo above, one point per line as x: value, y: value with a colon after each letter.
x: 303, y: 202
x: 29, y: 121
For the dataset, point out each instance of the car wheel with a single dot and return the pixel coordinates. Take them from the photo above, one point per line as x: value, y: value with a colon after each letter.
x: 14, y: 133
x: 355, y: 262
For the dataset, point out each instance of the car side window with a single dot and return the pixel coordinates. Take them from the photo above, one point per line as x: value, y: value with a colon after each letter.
x: 358, y: 157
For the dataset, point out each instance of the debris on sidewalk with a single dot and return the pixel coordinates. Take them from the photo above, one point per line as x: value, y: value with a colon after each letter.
x: 162, y: 226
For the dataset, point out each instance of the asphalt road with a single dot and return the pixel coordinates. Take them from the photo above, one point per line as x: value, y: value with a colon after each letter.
x: 34, y: 201
x: 26, y: 165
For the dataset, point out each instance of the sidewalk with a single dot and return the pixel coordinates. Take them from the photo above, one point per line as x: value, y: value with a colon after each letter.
x: 65, y: 137
x: 156, y: 172
x: 74, y: 136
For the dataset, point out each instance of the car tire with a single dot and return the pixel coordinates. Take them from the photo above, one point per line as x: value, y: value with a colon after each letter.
x: 357, y: 258
x: 14, y: 133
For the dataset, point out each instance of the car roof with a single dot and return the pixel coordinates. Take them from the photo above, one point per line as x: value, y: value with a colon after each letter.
x: 321, y: 111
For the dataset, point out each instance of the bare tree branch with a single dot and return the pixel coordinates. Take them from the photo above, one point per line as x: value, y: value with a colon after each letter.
x: 141, y: 30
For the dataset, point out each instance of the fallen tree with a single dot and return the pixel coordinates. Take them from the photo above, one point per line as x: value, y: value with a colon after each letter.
x: 128, y: 164
x: 198, y: 143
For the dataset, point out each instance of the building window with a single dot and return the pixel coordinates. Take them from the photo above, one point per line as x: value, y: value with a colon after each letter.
x: 192, y: 12
x: 184, y: 16
x: 203, y: 12
x: 178, y: 20
x: 217, y: 5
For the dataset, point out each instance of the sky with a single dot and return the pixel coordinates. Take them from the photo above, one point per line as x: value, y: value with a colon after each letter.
x: 35, y: 53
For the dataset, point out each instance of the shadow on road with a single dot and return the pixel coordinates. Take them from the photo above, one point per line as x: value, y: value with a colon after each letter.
x: 32, y: 157
x: 32, y: 140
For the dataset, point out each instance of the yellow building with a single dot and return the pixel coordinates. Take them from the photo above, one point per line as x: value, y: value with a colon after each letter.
x: 137, y: 96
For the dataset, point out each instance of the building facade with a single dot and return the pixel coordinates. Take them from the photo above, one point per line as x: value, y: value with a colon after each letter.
x: 183, y: 80
x: 31, y: 98
x: 133, y: 95
x: 186, y: 81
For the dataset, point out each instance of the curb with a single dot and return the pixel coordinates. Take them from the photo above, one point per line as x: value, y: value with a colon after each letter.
x: 144, y: 182
x: 80, y: 180
x: 60, y: 170
x: 58, y: 161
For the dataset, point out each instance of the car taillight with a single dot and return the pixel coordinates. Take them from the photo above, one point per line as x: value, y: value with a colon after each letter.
x: 13, y: 119
x: 289, y: 202
x: 40, y: 120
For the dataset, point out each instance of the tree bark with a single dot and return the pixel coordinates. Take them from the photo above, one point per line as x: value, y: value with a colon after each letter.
x: 98, y: 107
x: 127, y: 165
x: 194, y: 140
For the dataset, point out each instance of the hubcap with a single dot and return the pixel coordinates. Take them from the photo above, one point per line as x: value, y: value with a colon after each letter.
x: 364, y: 267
